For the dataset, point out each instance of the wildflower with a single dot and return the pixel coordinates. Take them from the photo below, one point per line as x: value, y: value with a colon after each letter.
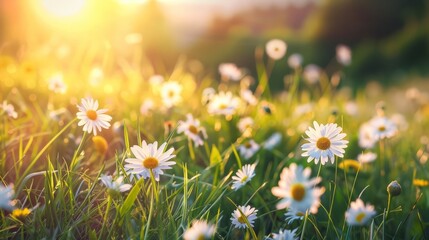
x: 115, y: 186
x: 297, y: 190
x: 420, y: 182
x: 100, y: 144
x: 21, y: 214
x: 295, y: 60
x: 325, y: 142
x: 303, y: 109
x: 149, y: 158
x: 359, y: 214
x: 244, y: 175
x: 276, y: 49
x: 366, y: 136
x: 272, y: 141
x: 192, y: 129
x: 349, y: 163
x: 285, y: 235
x: 147, y: 106
x: 56, y: 84
x: 344, y: 55
x: 312, y: 73
x: 91, y: 118
x: 248, y: 97
x: 394, y: 189
x: 207, y: 95
x: 230, y: 71
x: 223, y: 104
x: 351, y: 108
x: 199, y: 230
x: 245, y: 124
x: 171, y: 93
x: 367, y: 157
x: 292, y: 215
x: 6, y: 194
x: 248, y: 149
x: 9, y: 109
x: 242, y: 213
x: 382, y: 128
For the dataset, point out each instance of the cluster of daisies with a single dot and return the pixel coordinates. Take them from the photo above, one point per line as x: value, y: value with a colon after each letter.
x: 297, y: 191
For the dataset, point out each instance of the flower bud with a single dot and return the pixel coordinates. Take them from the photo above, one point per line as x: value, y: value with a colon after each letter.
x: 394, y: 189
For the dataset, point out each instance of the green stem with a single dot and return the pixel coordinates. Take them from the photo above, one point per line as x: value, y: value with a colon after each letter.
x: 109, y: 203
x: 305, y: 224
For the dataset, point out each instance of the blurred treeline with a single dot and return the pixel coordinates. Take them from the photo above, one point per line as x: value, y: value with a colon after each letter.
x: 389, y: 38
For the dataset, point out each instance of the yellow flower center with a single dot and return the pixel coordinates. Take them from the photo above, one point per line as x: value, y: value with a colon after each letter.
x: 193, y: 129
x: 21, y: 213
x: 91, y: 114
x: 150, y: 163
x: 298, y: 191
x: 382, y: 128
x: 248, y: 145
x: 223, y: 106
x: 323, y: 143
x: 360, y: 217
x: 241, y: 219
x: 171, y: 93
x: 300, y: 214
x: 201, y: 237
x: 244, y: 179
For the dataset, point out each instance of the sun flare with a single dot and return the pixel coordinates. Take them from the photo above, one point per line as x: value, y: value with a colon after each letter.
x: 64, y: 8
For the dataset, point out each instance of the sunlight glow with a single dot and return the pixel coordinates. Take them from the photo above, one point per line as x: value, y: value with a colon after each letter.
x: 64, y: 8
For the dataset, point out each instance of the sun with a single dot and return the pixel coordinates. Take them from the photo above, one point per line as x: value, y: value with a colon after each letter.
x: 63, y: 8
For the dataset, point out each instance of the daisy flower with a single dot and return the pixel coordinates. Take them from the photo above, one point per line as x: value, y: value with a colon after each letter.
x: 248, y: 97
x: 367, y: 157
x: 292, y: 215
x: 149, y: 158
x: 191, y: 127
x: 248, y: 149
x: 199, y: 230
x: 56, y: 84
x: 325, y: 142
x: 366, y: 136
x: 344, y: 55
x: 312, y: 73
x: 244, y: 175
x: 207, y: 95
x: 359, y: 214
x: 242, y: 213
x: 284, y: 235
x: 295, y: 60
x: 117, y: 185
x: 230, y: 71
x: 147, y: 106
x: 223, y: 104
x: 6, y: 194
x: 276, y: 49
x: 91, y: 118
x: 171, y: 93
x: 9, y: 109
x: 272, y: 141
x: 297, y: 190
x: 382, y: 127
x: 245, y: 124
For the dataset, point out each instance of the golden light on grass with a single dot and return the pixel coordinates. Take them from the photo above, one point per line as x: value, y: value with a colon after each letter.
x: 63, y: 8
